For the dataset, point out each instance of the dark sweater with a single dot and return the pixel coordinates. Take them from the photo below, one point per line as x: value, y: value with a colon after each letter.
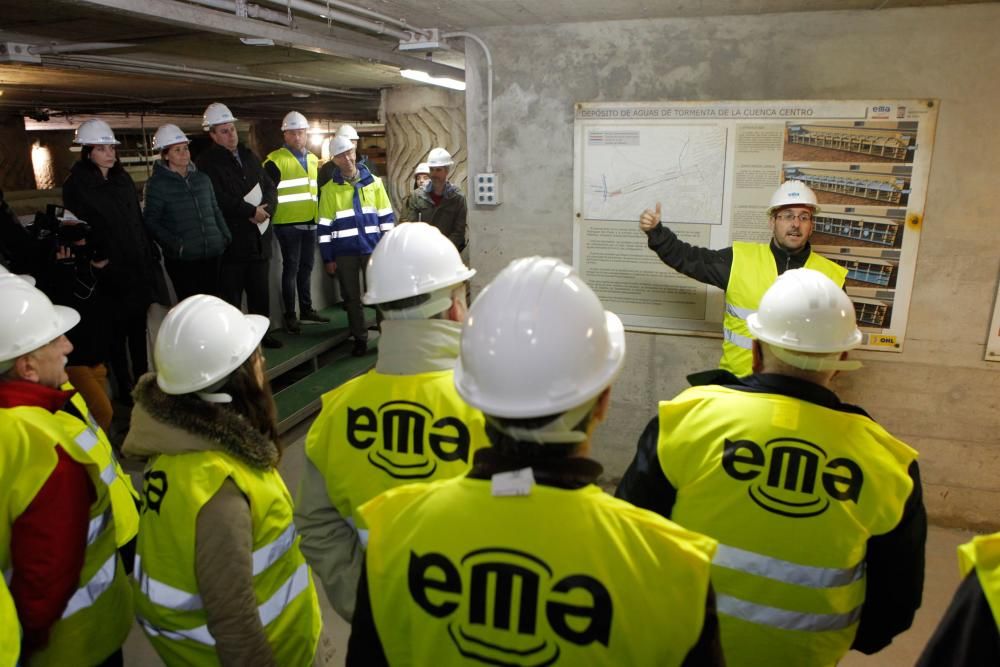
x: 183, y: 215
x: 231, y: 183
x: 449, y: 215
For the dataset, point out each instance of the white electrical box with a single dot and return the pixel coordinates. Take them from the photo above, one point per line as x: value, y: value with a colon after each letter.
x: 487, y: 189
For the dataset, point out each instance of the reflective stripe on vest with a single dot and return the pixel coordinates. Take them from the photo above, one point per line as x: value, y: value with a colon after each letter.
x: 344, y: 206
x: 786, y: 571
x: 784, y: 618
x: 736, y: 339
x: 87, y: 594
x: 290, y: 589
x: 297, y: 190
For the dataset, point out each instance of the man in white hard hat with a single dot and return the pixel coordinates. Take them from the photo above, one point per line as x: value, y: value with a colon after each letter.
x: 354, y: 213
x: 818, y: 510
x: 745, y: 270
x: 525, y: 556
x: 248, y: 198
x: 348, y: 132
x: 294, y: 168
x: 440, y: 202
x: 70, y: 507
x: 403, y: 421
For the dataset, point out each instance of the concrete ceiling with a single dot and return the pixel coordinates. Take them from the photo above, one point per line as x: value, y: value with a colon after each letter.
x: 178, y: 56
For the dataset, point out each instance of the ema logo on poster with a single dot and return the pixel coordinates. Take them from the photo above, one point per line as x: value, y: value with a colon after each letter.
x: 792, y: 477
x: 413, y: 441
x: 504, y: 605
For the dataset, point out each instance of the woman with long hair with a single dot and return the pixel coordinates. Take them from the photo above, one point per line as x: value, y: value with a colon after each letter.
x: 219, y: 575
x: 100, y: 191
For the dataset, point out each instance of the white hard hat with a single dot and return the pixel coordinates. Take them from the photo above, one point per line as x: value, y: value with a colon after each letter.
x: 340, y: 145
x: 439, y: 157
x: 422, y: 168
x: 168, y: 135
x: 95, y: 132
x: 793, y: 193
x: 346, y: 130
x: 216, y: 113
x: 537, y: 342
x: 201, y: 341
x: 294, y: 121
x: 412, y: 259
x: 30, y: 320
x: 4, y: 271
x: 805, y: 311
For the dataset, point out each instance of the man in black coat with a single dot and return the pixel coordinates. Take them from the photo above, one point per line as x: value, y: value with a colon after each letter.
x: 239, y: 179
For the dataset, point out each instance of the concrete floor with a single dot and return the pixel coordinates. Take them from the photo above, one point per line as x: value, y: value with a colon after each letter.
x: 940, y: 582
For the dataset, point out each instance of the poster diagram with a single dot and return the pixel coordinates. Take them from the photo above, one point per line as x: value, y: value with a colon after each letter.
x: 625, y: 168
x: 714, y: 166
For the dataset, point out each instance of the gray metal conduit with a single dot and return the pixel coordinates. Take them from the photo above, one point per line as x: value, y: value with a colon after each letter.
x: 324, y: 12
x: 75, y: 47
x: 146, y: 67
x: 253, y: 11
x: 489, y: 91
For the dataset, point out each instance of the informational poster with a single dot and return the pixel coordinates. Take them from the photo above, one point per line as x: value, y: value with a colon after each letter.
x: 993, y: 342
x: 713, y: 167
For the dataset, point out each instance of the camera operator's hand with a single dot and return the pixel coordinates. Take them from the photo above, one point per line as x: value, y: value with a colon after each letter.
x: 64, y: 254
x: 101, y: 264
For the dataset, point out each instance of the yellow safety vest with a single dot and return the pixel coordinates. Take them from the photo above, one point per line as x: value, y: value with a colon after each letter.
x: 577, y: 577
x: 792, y: 491
x: 753, y: 272
x: 297, y: 190
x: 983, y: 555
x: 168, y: 605
x: 10, y: 630
x: 353, y: 217
x: 98, y: 616
x: 91, y: 438
x: 378, y: 431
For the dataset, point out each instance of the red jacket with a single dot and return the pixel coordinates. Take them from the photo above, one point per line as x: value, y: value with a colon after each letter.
x: 49, y: 539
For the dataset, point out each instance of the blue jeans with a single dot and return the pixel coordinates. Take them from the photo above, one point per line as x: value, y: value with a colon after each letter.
x: 298, y: 249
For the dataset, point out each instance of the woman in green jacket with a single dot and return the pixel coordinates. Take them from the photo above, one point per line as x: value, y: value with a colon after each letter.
x: 184, y: 217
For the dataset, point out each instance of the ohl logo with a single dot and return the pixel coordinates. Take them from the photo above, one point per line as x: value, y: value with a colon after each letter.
x: 792, y: 477
x: 407, y: 431
x: 505, y: 607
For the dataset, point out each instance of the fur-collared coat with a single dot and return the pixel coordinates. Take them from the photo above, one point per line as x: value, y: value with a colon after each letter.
x: 165, y: 425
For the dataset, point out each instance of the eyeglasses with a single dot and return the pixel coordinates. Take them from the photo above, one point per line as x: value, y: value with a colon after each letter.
x: 788, y: 216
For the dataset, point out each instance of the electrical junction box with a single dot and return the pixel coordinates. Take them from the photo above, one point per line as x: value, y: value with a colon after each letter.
x: 487, y: 189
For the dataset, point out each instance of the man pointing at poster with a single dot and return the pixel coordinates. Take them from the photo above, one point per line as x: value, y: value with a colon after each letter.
x: 745, y: 270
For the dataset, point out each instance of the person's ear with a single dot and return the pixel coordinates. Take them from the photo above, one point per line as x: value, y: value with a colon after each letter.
x: 25, y: 368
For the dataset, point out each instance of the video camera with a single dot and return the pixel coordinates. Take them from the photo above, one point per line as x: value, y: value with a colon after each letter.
x: 57, y: 227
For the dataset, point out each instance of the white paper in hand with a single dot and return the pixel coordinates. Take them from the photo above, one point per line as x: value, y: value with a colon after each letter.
x: 513, y: 483
x: 262, y: 226
x: 254, y: 197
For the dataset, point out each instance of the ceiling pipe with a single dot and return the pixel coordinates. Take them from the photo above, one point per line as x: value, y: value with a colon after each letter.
x: 75, y: 47
x: 381, y: 18
x: 489, y: 92
x: 253, y: 11
x: 180, y: 71
x: 324, y: 12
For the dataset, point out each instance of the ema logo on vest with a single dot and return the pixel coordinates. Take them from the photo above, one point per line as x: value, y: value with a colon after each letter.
x: 494, y: 602
x: 786, y: 475
x: 402, y: 426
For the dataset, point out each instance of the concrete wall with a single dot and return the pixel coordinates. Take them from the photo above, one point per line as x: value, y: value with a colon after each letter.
x: 417, y: 119
x: 938, y: 395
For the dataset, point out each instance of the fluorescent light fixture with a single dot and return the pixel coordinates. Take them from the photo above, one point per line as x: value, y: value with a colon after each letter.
x: 424, y: 77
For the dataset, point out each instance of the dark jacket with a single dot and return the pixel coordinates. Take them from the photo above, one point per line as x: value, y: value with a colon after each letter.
x: 449, y: 216
x: 894, y: 561
x: 111, y: 206
x: 183, y: 216
x: 231, y: 183
x: 76, y: 283
x: 968, y: 635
